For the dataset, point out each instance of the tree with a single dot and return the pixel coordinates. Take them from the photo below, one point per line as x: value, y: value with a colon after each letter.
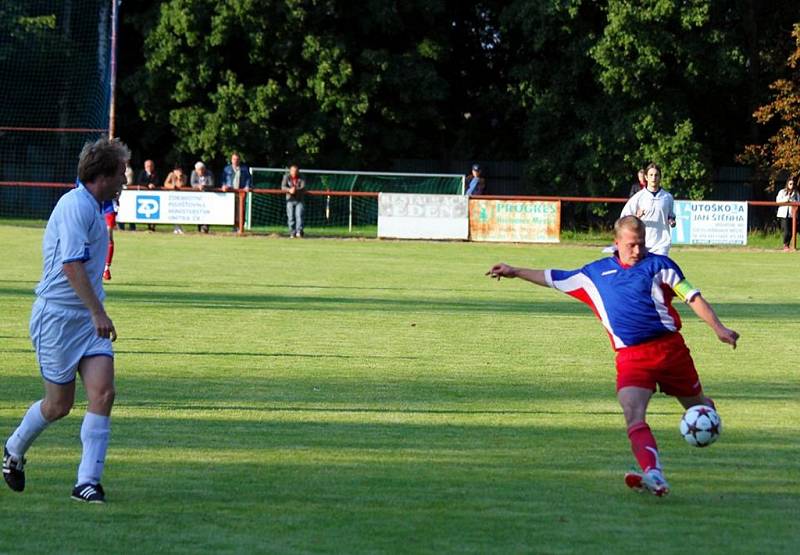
x: 584, y: 92
x: 781, y: 153
x: 607, y: 87
x: 314, y: 81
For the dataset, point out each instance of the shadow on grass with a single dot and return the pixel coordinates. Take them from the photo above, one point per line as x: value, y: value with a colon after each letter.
x: 470, y: 305
x: 240, y: 354
x: 266, y: 389
x: 202, y: 284
x: 397, y: 488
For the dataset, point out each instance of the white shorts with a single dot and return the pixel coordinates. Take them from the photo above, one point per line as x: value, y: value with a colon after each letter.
x: 63, y: 336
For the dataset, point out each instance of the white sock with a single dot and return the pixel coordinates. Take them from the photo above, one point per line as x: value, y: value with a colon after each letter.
x: 33, y: 423
x: 95, y: 431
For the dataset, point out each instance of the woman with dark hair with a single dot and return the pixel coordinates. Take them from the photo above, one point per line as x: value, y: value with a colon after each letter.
x: 787, y: 194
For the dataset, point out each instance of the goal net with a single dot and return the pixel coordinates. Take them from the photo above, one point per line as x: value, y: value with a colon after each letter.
x: 55, y: 90
x: 266, y: 211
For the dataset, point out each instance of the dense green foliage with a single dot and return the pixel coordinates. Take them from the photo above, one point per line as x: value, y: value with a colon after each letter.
x: 349, y: 396
x: 781, y: 153
x: 582, y: 91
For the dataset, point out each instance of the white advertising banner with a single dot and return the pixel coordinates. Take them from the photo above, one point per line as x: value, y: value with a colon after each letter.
x: 176, y: 207
x: 708, y: 222
x: 411, y: 216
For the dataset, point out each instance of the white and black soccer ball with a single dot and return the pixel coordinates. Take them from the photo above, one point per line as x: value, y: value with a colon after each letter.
x: 700, y: 426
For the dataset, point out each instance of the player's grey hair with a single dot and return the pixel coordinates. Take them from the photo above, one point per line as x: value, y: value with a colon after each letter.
x: 102, y: 158
x: 629, y: 222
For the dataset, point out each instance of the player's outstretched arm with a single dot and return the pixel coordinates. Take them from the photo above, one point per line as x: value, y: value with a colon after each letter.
x: 79, y: 280
x: 505, y: 271
x: 707, y: 314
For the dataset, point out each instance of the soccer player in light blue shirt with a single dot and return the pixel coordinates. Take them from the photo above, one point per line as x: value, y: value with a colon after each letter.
x: 631, y: 294
x: 69, y: 327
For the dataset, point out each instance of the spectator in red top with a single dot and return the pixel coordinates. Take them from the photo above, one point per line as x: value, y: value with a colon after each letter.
x: 295, y: 188
x: 636, y: 187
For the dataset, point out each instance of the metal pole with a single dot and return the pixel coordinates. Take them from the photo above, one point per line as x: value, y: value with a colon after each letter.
x: 112, y: 108
x: 794, y: 227
x: 350, y: 215
x: 249, y: 218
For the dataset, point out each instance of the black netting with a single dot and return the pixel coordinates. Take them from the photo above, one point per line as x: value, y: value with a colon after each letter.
x: 55, y: 67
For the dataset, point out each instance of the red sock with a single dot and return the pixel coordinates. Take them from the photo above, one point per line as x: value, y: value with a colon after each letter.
x: 644, y: 447
x: 110, y: 254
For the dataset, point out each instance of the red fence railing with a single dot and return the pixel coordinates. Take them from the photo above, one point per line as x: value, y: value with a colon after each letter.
x: 355, y: 194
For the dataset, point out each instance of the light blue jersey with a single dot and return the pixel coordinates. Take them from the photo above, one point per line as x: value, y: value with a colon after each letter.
x: 76, y: 230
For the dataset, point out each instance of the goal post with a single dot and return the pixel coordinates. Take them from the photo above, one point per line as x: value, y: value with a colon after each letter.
x: 339, y: 210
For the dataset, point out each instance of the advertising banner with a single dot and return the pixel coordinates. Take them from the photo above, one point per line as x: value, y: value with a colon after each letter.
x: 708, y: 222
x: 515, y: 221
x: 176, y: 207
x: 412, y: 216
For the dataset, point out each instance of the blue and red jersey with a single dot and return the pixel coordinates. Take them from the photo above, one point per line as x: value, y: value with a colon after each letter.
x: 634, y: 303
x: 110, y: 206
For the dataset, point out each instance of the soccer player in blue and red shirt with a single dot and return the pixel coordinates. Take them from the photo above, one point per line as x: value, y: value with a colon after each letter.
x: 110, y: 209
x: 631, y: 293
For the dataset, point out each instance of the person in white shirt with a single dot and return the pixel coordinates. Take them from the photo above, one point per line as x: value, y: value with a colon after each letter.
x: 787, y: 194
x: 69, y: 327
x: 654, y: 206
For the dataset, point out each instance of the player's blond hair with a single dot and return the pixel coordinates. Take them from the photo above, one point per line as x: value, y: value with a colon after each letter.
x: 629, y: 222
x: 102, y: 158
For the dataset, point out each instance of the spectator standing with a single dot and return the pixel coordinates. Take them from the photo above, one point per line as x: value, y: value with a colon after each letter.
x: 295, y: 187
x: 236, y: 176
x: 654, y: 206
x: 200, y: 180
x: 787, y: 194
x: 148, y: 178
x: 476, y: 183
x: 128, y: 174
x: 640, y: 184
x: 128, y: 182
x: 176, y: 180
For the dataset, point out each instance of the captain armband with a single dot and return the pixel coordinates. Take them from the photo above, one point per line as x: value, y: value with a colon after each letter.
x: 685, y: 290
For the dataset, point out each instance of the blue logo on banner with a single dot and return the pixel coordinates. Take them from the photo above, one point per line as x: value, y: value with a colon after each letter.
x: 148, y: 207
x: 682, y: 232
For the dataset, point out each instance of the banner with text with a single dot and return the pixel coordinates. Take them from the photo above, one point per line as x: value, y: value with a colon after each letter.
x: 410, y: 216
x: 515, y: 221
x: 176, y: 207
x: 708, y: 222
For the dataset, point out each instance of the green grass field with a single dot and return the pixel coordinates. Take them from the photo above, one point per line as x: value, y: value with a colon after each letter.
x: 363, y: 396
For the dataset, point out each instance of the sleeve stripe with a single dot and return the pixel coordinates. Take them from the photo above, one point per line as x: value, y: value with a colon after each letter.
x: 86, y: 256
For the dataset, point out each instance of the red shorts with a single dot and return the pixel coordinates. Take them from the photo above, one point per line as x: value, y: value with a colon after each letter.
x: 664, y: 361
x: 111, y: 219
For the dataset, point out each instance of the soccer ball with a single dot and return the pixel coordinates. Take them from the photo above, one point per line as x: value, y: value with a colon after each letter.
x: 700, y: 426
